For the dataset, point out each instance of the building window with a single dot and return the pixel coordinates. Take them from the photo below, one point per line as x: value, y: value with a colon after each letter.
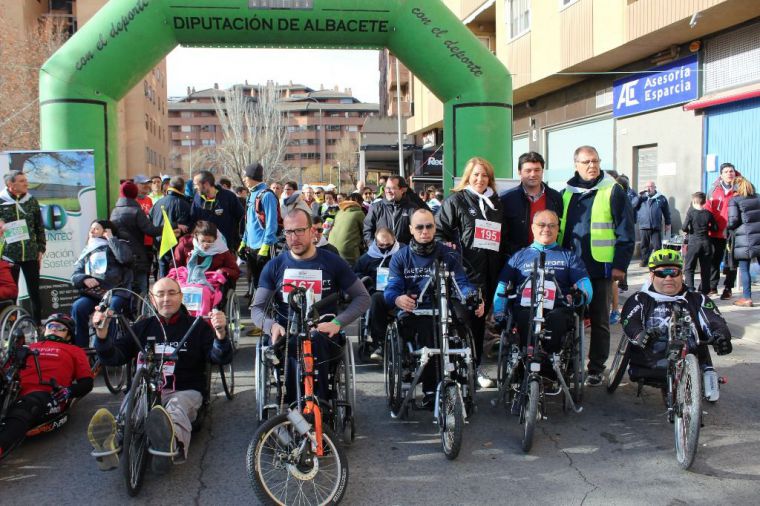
x: 208, y: 142
x: 352, y: 128
x: 186, y: 114
x: 188, y: 142
x: 186, y: 128
x: 519, y: 17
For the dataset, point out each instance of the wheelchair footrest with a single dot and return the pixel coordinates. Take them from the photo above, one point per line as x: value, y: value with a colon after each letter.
x: 105, y: 454
x: 159, y: 453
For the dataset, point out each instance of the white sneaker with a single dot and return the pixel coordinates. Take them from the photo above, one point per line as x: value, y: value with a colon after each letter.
x: 484, y: 380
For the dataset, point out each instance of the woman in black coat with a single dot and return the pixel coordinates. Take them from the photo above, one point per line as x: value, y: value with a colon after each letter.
x: 473, y: 221
x: 744, y: 221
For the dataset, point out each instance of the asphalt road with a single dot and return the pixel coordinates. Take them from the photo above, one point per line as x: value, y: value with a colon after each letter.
x: 619, y: 450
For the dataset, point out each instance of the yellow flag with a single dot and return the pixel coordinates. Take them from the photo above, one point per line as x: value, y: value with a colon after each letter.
x: 168, y: 240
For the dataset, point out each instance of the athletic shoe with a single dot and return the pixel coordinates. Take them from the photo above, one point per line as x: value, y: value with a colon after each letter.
x: 377, y: 354
x: 726, y: 294
x: 160, y: 430
x: 102, y: 435
x: 484, y: 380
x: 594, y: 379
x: 614, y: 317
x: 743, y: 302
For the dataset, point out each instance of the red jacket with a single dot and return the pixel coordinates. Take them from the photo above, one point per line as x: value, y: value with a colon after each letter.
x: 62, y: 361
x: 146, y: 203
x: 225, y: 262
x: 717, y: 204
x: 8, y: 287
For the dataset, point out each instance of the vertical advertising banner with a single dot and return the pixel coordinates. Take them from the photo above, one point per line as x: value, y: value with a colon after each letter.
x: 63, y: 182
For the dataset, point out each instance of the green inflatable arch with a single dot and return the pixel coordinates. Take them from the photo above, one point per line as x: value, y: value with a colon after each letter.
x: 81, y: 84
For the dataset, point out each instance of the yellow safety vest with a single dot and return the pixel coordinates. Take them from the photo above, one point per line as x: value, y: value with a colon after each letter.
x: 602, y: 224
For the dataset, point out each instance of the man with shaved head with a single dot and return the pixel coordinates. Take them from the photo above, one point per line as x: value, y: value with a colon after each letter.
x: 169, y: 425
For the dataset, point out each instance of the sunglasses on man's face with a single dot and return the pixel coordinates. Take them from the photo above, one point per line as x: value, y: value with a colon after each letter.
x: 424, y: 226
x: 668, y: 273
x: 56, y: 327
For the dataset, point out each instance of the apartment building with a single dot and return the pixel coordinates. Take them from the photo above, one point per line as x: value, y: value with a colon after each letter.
x: 316, y: 122
x: 143, y: 111
x: 665, y: 90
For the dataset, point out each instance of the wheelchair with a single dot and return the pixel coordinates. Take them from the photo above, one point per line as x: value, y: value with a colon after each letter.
x: 230, y: 305
x: 269, y: 375
x: 528, y: 372
x: 452, y: 355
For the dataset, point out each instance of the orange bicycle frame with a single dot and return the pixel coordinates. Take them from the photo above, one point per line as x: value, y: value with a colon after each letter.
x: 311, y: 407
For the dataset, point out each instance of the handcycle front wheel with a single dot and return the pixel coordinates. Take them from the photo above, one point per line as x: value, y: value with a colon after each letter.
x: 227, y: 371
x: 530, y: 413
x: 619, y: 364
x: 688, y: 412
x: 134, y: 455
x: 284, y: 471
x: 115, y: 377
x: 451, y: 421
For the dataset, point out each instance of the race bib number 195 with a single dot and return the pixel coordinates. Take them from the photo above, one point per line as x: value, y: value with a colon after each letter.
x: 487, y: 235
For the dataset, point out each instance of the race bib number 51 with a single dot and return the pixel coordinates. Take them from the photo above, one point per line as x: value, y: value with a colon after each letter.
x: 487, y: 235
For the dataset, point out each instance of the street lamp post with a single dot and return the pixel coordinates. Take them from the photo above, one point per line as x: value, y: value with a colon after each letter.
x: 321, y: 138
x: 190, y: 156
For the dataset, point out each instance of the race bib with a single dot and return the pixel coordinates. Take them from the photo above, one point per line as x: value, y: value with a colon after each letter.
x: 16, y: 231
x: 381, y: 280
x: 192, y: 297
x: 311, y: 279
x: 168, y: 368
x: 487, y: 235
x: 550, y: 293
x: 164, y: 349
x: 97, y: 265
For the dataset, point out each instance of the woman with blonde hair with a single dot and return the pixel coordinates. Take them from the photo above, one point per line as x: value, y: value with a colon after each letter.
x: 472, y: 220
x: 744, y: 224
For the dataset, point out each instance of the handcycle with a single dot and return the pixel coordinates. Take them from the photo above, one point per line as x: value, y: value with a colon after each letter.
x: 269, y: 375
x: 528, y: 373
x: 681, y: 383
x: 145, y: 393
x: 294, y: 456
x: 452, y: 355
x: 14, y: 358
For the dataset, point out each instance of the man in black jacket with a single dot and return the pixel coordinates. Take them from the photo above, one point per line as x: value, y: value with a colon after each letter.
x: 393, y: 212
x: 169, y: 425
x: 178, y: 210
x: 219, y: 206
x: 520, y: 204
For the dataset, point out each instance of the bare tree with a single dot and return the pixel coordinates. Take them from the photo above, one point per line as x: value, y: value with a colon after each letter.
x: 346, y: 158
x: 253, y: 129
x: 21, y: 56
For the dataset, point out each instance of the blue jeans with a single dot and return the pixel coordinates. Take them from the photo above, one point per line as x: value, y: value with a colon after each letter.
x: 81, y: 310
x: 746, y: 278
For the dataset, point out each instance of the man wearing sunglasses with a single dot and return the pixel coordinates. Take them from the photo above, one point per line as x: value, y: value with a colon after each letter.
x: 323, y: 273
x: 648, y: 312
x: 59, y: 360
x: 409, y: 288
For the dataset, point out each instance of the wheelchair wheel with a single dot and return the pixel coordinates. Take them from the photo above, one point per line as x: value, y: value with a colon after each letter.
x: 619, y: 364
x: 283, y: 469
x: 364, y: 346
x: 688, y: 411
x: 9, y: 317
x: 451, y: 423
x: 392, y: 368
x: 115, y: 377
x: 343, y: 398
x: 134, y: 456
x: 268, y: 384
x: 575, y: 366
x: 530, y: 414
x: 232, y: 310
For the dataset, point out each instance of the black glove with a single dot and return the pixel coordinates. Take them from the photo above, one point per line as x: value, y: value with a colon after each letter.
x: 722, y: 345
x: 645, y: 337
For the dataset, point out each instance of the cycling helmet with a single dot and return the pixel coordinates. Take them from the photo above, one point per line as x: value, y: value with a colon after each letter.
x: 663, y: 257
x: 64, y: 319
